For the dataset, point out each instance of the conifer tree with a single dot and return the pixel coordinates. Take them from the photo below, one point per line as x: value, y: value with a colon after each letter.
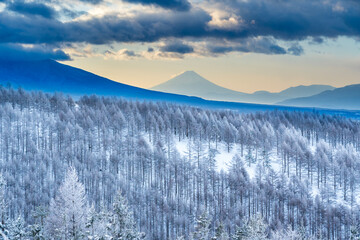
x: 240, y: 233
x: 3, y: 210
x: 68, y: 211
x: 18, y: 230
x: 37, y: 230
x: 220, y: 233
x: 123, y: 226
x: 256, y: 229
x: 202, y: 228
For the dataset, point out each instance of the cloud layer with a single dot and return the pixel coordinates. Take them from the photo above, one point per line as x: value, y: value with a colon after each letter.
x: 177, y: 47
x: 31, y: 8
x: 224, y: 26
x: 179, y: 5
x: 297, y: 19
x: 14, y: 52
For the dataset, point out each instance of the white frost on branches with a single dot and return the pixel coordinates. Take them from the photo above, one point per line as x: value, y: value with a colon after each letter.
x: 67, y: 215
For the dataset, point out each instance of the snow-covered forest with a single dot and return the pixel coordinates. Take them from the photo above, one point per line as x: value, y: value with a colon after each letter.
x: 107, y: 168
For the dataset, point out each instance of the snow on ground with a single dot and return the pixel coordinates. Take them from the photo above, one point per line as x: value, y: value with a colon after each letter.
x: 223, y: 157
x: 315, y: 190
x: 223, y: 161
x: 182, y: 147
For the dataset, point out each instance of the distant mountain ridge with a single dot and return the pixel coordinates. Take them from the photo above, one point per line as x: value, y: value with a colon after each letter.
x: 347, y: 97
x: 192, y: 84
x: 50, y: 76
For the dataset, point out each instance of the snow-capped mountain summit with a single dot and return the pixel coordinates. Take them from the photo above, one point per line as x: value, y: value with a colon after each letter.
x: 192, y: 84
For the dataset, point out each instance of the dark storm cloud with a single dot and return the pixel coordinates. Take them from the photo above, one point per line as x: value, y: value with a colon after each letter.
x: 31, y: 8
x: 143, y: 28
x: 14, y: 52
x: 177, y: 47
x: 286, y: 20
x: 180, y: 5
x: 295, y: 20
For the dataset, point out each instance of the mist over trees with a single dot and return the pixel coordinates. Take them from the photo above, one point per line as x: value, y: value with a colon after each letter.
x: 107, y: 168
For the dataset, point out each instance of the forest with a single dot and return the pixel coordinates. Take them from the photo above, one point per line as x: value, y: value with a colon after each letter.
x: 112, y: 168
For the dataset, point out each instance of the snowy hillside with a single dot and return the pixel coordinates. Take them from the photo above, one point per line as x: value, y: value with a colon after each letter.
x: 224, y: 160
x: 181, y: 171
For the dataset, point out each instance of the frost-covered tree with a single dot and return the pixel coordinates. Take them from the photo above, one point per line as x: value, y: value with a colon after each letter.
x: 18, y: 230
x: 354, y: 232
x: 220, y: 233
x: 122, y: 223
x: 287, y: 234
x: 3, y: 209
x: 68, y: 211
x: 37, y: 229
x: 240, y: 233
x: 202, y: 228
x: 98, y: 225
x: 256, y: 229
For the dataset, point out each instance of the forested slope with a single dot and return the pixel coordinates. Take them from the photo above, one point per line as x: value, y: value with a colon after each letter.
x: 108, y: 144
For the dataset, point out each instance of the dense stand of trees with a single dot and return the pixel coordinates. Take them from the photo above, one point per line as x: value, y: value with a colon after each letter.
x: 117, y: 144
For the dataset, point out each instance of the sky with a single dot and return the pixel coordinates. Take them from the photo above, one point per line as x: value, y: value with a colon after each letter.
x: 245, y: 45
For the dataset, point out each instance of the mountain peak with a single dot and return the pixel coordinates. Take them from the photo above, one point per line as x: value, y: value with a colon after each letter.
x: 191, y: 83
x: 188, y: 79
x: 185, y: 80
x: 188, y: 75
x: 189, y: 72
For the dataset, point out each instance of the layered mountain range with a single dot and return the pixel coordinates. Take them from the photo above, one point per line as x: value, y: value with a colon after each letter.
x: 192, y: 84
x: 188, y: 87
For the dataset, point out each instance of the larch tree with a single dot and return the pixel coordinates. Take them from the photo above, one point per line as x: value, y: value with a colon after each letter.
x: 220, y: 233
x: 3, y: 209
x: 122, y: 223
x: 240, y: 233
x: 256, y: 229
x: 202, y: 228
x: 68, y: 210
x: 287, y: 234
x: 18, y: 230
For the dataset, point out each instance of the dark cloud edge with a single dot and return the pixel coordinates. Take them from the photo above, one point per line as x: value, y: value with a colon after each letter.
x: 16, y: 52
